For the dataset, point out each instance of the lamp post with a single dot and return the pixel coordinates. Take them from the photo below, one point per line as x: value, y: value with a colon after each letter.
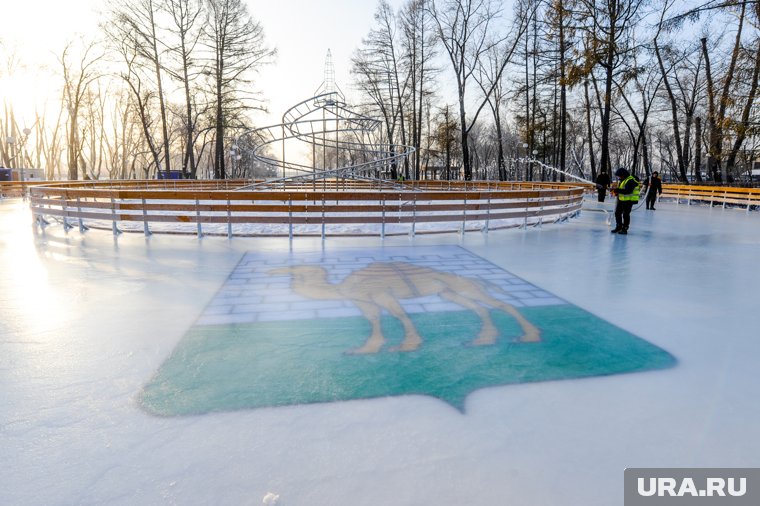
x: 535, y: 152
x: 525, y: 147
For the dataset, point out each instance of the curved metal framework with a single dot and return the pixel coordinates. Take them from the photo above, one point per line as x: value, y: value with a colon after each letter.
x: 342, y: 143
x: 350, y: 157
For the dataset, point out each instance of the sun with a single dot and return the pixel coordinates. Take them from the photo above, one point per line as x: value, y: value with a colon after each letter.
x: 29, y: 98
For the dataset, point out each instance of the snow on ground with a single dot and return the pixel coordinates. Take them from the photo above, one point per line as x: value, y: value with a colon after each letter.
x: 88, y: 319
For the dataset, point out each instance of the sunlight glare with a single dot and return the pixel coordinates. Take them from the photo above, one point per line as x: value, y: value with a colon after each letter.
x: 34, y: 305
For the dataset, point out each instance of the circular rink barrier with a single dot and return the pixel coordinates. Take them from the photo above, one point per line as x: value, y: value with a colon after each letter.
x: 324, y: 207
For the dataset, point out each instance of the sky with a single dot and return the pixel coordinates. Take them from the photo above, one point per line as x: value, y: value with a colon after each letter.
x: 301, y: 30
x: 302, y: 40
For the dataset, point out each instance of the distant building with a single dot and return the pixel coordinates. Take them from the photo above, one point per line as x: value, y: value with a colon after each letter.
x: 22, y: 175
x: 169, y: 174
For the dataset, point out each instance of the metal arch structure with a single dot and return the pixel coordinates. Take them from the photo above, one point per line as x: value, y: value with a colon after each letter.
x: 326, y: 124
x: 347, y: 144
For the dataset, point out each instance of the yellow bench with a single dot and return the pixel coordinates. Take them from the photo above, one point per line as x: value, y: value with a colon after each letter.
x: 713, y: 194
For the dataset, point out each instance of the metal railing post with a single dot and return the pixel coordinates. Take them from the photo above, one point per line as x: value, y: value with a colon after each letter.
x: 290, y: 218
x: 198, y: 217
x: 146, y: 227
x: 382, y: 223
x: 323, y: 216
x: 464, y: 210
x: 488, y: 213
x: 414, y: 213
x: 66, y: 225
x: 115, y: 228
x: 229, y: 219
x: 82, y: 228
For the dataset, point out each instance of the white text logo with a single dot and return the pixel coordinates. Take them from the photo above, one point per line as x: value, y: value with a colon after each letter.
x: 714, y: 487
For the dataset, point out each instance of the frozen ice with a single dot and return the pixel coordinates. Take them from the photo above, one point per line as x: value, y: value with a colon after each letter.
x: 271, y: 499
x: 88, y: 319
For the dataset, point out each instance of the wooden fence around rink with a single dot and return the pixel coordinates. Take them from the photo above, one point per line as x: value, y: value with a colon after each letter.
x: 11, y: 189
x: 179, y: 204
x: 722, y: 195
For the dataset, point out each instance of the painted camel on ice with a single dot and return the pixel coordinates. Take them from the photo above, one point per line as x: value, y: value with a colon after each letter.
x: 382, y: 285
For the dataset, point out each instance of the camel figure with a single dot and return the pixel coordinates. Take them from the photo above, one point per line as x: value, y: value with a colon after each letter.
x: 381, y: 285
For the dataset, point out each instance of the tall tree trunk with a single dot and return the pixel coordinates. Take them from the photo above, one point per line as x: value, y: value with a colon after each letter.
x: 466, y: 161
x: 592, y: 159
x: 698, y: 148
x: 219, y: 169
x: 686, y: 144
x: 604, y: 162
x: 534, y: 101
x: 713, y: 145
x: 562, y: 92
x: 527, y: 100
x: 725, y: 97
x: 73, y: 151
x: 715, y: 117
x: 500, y: 147
x: 189, y: 168
x: 414, y: 126
x: 742, y: 128
x: 161, y: 101
x: 674, y: 114
x: 645, y: 152
x: 418, y: 140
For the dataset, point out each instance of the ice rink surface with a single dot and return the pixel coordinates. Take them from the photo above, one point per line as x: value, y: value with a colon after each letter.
x: 88, y: 319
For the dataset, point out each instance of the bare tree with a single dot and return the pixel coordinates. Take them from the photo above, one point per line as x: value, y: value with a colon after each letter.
x: 380, y: 75
x: 487, y: 77
x: 561, y: 26
x: 743, y: 127
x: 186, y: 16
x: 419, y: 46
x: 8, y: 127
x: 609, y: 25
x: 143, y: 97
x: 237, y: 49
x: 680, y: 68
x: 134, y: 26
x: 77, y: 78
x: 446, y: 142
x: 724, y: 98
x: 638, y: 88
x: 467, y: 29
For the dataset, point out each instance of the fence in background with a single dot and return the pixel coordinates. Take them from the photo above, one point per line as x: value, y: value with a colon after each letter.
x: 723, y: 195
x: 322, y: 207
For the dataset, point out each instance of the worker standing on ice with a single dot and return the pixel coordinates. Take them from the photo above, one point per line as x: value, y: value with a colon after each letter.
x: 654, y: 187
x: 602, y: 183
x: 627, y: 192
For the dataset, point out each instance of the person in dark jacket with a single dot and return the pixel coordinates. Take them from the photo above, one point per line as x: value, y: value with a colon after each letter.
x: 627, y: 192
x: 654, y: 188
x: 602, y: 183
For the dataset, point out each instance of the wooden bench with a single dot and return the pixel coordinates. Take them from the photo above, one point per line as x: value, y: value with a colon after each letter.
x: 713, y: 194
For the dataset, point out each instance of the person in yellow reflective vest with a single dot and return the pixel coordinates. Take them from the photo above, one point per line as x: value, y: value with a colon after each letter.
x: 627, y: 192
